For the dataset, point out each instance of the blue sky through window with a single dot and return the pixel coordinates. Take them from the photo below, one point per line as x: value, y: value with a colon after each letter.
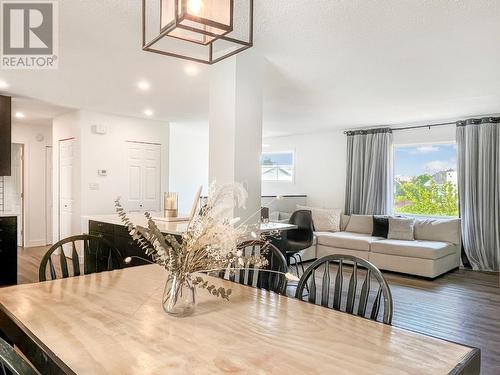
x: 428, y: 158
x: 279, y: 158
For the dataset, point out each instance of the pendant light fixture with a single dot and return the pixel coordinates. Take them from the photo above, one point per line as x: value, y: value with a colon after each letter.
x: 205, y: 31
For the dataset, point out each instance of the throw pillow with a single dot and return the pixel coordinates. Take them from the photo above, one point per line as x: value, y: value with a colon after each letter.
x: 401, y: 229
x: 325, y: 220
x: 446, y: 230
x: 380, y: 226
x: 360, y: 224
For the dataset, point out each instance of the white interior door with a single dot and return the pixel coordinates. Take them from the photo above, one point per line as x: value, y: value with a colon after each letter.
x: 144, y: 176
x: 66, y: 198
x: 134, y: 169
x: 49, y: 207
x: 151, y: 183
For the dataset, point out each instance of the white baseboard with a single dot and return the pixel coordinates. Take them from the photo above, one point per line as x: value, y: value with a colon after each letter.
x: 36, y: 243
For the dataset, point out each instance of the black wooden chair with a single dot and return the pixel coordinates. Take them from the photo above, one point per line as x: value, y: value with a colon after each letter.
x: 98, y: 255
x: 12, y: 363
x: 349, y: 305
x: 262, y: 278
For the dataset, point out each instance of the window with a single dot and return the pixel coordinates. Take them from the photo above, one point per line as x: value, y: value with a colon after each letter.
x: 277, y: 166
x: 425, y: 180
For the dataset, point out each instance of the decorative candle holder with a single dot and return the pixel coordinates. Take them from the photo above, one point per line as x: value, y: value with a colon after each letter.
x: 170, y: 204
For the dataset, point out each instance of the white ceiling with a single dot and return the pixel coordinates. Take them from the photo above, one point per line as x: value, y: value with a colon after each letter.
x: 36, y: 112
x: 332, y: 63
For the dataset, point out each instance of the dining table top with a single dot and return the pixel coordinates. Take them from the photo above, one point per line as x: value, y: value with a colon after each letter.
x: 113, y: 323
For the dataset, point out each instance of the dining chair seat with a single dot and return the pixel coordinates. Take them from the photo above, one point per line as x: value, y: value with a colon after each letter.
x: 294, y: 246
x: 98, y: 255
x: 357, y: 298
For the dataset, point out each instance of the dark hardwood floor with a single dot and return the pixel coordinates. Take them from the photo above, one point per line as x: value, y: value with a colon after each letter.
x: 462, y: 306
x: 28, y: 263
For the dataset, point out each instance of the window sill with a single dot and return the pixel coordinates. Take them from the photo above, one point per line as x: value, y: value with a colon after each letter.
x: 418, y: 216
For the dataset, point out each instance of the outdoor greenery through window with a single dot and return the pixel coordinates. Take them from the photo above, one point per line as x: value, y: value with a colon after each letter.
x: 277, y: 166
x: 425, y: 180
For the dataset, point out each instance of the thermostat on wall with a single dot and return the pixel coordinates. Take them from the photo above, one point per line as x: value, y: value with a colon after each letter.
x: 102, y: 172
x: 99, y: 129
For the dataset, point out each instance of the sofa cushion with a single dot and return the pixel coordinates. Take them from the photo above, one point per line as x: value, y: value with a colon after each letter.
x: 325, y: 220
x: 346, y: 240
x: 414, y: 249
x: 360, y: 224
x: 401, y: 228
x: 344, y: 220
x: 447, y: 230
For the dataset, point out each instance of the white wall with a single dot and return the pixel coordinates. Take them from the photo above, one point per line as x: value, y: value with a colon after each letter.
x: 108, y: 152
x: 34, y: 179
x: 425, y: 135
x: 103, y: 151
x: 320, y: 167
x: 188, y: 161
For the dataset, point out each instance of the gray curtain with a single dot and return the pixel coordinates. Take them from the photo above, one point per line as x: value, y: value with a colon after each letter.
x: 368, y: 163
x: 478, y: 142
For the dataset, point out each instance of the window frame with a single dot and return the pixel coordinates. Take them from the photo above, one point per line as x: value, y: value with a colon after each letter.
x: 392, y: 176
x: 287, y: 151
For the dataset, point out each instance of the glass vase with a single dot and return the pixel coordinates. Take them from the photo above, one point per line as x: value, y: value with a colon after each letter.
x: 179, y: 297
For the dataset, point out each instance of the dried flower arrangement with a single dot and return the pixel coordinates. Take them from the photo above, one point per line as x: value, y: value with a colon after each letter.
x: 209, y: 244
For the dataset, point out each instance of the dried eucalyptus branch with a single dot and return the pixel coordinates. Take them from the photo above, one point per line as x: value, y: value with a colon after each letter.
x: 210, y: 242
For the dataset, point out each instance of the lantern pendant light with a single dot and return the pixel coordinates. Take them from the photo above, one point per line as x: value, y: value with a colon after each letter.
x: 198, y: 30
x: 198, y: 21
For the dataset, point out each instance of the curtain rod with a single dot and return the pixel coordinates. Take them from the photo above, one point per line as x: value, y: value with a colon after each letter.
x: 492, y: 118
x: 425, y: 126
x: 407, y: 127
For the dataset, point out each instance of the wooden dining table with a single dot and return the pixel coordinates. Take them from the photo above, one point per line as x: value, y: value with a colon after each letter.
x: 113, y: 323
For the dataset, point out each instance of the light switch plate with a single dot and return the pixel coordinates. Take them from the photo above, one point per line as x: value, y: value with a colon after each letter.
x: 93, y: 186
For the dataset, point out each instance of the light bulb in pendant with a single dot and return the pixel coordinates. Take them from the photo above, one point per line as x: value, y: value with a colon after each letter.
x: 194, y: 6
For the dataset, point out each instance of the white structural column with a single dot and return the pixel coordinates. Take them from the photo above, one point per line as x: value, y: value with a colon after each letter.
x: 235, y: 134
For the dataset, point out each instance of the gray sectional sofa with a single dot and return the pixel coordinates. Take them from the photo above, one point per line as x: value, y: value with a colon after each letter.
x: 435, y: 250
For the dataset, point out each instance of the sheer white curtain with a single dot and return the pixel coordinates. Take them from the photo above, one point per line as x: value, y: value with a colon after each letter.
x: 368, y: 171
x: 478, y: 143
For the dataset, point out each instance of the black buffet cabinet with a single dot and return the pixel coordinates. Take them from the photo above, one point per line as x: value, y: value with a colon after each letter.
x: 119, y: 236
x: 8, y: 250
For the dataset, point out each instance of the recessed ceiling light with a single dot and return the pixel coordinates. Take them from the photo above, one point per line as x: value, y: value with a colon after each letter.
x: 3, y: 85
x: 143, y: 85
x: 148, y: 112
x: 191, y: 70
x: 20, y: 115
